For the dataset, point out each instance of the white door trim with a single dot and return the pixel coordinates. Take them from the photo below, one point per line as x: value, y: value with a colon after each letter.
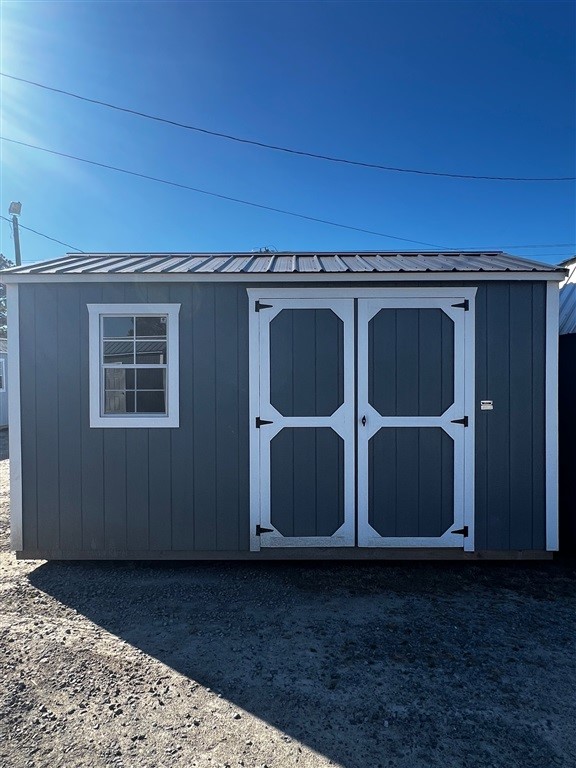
x: 404, y: 295
x: 463, y: 437
x: 342, y: 421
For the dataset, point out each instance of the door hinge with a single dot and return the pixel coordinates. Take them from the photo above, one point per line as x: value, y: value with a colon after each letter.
x: 465, y: 305
x: 462, y: 531
x: 463, y: 420
x: 260, y: 530
x: 260, y: 422
x: 258, y: 306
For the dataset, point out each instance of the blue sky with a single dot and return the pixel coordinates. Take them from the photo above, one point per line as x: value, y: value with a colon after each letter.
x: 483, y: 88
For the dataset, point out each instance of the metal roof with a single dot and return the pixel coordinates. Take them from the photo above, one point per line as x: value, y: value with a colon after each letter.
x: 284, y: 263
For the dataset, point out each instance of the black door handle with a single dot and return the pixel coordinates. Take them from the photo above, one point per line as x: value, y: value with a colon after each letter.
x: 363, y: 421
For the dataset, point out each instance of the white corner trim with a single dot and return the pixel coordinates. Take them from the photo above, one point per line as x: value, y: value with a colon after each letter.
x: 172, y: 418
x: 552, y: 322
x: 470, y: 431
x: 14, y: 422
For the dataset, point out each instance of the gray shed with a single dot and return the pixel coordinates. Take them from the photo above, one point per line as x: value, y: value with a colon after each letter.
x: 307, y: 405
x: 3, y: 383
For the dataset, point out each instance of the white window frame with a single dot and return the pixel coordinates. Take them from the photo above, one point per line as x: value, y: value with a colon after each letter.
x: 128, y: 421
x: 2, y: 375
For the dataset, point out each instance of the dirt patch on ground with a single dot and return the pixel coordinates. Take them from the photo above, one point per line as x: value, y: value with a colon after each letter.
x: 355, y: 665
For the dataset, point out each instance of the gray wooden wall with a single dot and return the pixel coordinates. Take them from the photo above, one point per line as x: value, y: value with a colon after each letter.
x: 137, y: 490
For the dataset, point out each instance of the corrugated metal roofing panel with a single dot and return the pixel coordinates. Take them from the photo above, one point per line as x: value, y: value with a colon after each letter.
x: 308, y: 264
x: 260, y: 264
x: 286, y: 263
x: 332, y: 263
x: 189, y: 263
x: 238, y: 263
x: 568, y: 302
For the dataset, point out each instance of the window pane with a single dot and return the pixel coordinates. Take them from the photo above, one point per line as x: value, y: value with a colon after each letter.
x: 118, y: 352
x: 151, y: 402
x: 119, y: 378
x: 151, y: 326
x: 151, y: 352
x: 117, y: 327
x: 151, y: 378
x: 119, y: 402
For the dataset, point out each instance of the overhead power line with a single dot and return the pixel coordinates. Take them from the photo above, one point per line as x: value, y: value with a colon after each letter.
x: 278, y: 148
x: 219, y: 196
x: 263, y: 207
x: 41, y: 234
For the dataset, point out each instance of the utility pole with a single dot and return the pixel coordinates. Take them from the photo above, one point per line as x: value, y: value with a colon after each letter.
x: 15, y: 210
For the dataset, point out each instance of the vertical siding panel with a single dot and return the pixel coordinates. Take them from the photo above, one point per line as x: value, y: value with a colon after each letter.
x: 114, y: 459
x: 382, y: 485
x: 430, y: 362
x: 304, y: 357
x: 137, y: 498
x: 329, y: 483
x: 243, y: 422
x: 521, y: 400
x: 46, y: 341
x: 282, y: 363
x: 115, y: 489
x: 383, y: 344
x: 328, y: 368
x: 304, y: 480
x: 70, y: 417
x: 498, y: 446
x: 407, y: 482
x: 481, y: 426
x: 159, y: 473
x: 204, y: 398
x: 430, y: 474
x: 538, y: 416
x: 28, y: 371
x: 282, y: 482
x: 160, y: 501
x: 226, y: 418
x: 137, y: 460
x: 92, y: 439
x: 181, y: 438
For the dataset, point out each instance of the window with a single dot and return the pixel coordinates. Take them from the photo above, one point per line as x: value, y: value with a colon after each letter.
x: 133, y: 365
x: 2, y: 376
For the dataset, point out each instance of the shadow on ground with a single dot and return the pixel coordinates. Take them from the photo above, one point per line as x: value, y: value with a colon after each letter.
x: 368, y: 664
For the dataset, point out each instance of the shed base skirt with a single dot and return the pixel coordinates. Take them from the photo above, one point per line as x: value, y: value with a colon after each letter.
x: 327, y: 553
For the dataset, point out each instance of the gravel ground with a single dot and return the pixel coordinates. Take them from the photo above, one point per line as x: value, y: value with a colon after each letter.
x: 355, y: 665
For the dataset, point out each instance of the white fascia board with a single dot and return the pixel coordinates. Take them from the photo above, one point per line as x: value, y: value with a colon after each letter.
x: 417, y: 292
x: 283, y: 277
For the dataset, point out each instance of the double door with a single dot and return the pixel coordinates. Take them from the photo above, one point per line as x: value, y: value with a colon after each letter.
x: 361, y: 418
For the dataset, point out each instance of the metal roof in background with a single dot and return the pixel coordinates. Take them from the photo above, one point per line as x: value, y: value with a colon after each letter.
x: 282, y: 263
x: 568, y: 300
